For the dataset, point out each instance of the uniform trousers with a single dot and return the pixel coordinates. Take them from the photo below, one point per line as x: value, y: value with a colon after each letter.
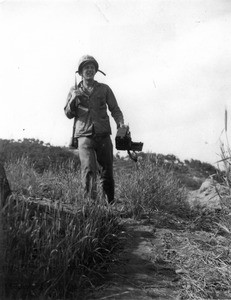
x: 96, y: 157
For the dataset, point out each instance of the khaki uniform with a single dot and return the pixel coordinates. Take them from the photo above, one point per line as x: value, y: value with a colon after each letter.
x: 93, y: 132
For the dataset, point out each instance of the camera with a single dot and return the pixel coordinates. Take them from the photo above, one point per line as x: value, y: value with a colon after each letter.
x: 124, y: 141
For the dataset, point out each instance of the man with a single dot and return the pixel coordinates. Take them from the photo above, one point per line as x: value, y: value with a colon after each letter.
x: 88, y: 103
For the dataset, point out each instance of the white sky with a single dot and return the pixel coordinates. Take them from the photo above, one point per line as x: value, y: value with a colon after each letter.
x: 168, y: 63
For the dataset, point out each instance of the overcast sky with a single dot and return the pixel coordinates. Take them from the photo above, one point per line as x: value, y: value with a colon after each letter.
x: 168, y: 63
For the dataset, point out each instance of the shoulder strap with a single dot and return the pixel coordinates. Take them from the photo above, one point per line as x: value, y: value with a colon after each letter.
x: 76, y: 84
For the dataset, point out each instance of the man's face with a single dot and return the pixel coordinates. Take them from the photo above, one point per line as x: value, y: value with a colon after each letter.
x: 88, y: 71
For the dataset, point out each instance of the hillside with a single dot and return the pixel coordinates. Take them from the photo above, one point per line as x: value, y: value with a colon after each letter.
x: 150, y: 244
x: 191, y: 173
x: 41, y: 155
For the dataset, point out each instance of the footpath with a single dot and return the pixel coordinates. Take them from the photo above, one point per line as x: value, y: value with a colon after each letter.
x: 140, y: 273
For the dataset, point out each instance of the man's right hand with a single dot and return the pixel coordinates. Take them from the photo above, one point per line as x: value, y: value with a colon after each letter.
x: 74, y: 101
x: 72, y: 104
x: 122, y: 125
x: 74, y: 93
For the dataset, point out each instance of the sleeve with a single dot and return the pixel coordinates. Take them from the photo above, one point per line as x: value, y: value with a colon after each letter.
x: 114, y: 108
x: 71, y: 104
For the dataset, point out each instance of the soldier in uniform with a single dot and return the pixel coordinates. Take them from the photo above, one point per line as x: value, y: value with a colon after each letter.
x: 88, y: 103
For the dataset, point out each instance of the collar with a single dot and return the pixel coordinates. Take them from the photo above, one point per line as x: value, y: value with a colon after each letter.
x: 82, y: 90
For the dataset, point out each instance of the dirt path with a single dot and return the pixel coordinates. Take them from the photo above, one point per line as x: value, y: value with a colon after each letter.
x: 141, y: 273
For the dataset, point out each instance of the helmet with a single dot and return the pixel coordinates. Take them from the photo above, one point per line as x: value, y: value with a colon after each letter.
x: 87, y: 59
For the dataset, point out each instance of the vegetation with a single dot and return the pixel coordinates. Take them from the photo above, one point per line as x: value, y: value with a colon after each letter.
x: 55, y: 253
x: 50, y: 252
x: 200, y: 253
x: 42, y: 156
x: 150, y: 187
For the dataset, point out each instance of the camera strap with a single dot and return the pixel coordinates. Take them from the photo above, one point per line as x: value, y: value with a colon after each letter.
x: 133, y: 155
x: 74, y: 124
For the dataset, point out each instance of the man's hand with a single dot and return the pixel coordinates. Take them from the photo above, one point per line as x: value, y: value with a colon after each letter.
x: 74, y: 93
x: 122, y: 125
x: 73, y: 104
x: 74, y: 101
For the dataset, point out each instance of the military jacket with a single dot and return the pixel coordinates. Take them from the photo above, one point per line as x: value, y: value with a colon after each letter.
x: 90, y: 110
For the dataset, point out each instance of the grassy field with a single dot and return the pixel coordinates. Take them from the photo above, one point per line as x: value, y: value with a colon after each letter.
x: 51, y: 253
x: 56, y: 254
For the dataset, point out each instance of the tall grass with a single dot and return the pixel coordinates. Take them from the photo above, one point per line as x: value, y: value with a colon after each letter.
x: 149, y: 187
x: 205, y: 262
x: 56, y: 254
x: 202, y: 260
x: 63, y: 184
x: 52, y: 253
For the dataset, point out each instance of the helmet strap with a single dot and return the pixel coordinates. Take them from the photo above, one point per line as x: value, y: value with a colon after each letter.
x: 102, y: 72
